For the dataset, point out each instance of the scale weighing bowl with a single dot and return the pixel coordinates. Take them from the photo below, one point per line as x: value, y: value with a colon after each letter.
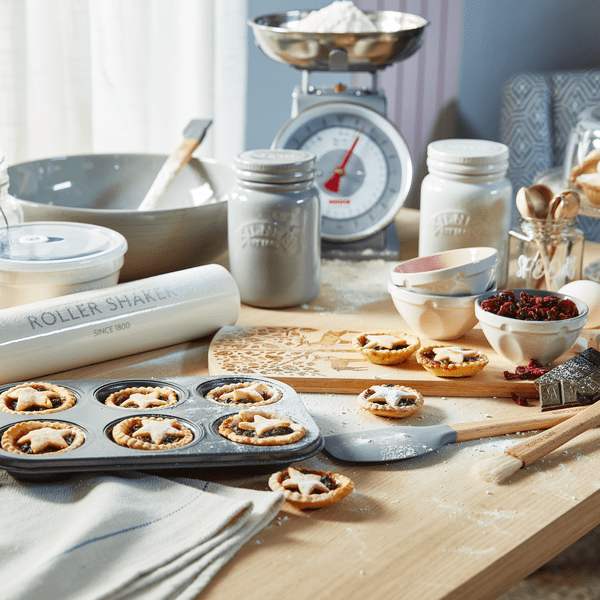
x: 400, y: 35
x: 106, y: 189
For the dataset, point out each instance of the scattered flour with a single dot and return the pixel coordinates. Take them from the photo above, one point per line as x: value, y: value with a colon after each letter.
x: 339, y: 17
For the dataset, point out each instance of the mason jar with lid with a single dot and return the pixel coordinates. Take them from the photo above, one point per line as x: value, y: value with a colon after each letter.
x: 466, y: 199
x: 274, y: 228
x: 545, y: 253
x: 11, y: 212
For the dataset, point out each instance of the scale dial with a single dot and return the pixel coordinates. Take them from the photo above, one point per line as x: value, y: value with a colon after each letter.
x: 363, y: 170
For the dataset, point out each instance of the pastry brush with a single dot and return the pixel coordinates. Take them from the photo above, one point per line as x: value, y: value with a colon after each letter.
x: 533, y: 449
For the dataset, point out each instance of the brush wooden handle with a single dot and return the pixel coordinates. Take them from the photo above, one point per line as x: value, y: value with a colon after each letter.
x: 482, y: 429
x: 542, y: 444
x: 168, y: 172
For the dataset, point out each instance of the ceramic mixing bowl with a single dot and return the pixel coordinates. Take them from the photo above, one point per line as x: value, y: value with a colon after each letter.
x: 465, y: 271
x: 520, y: 341
x: 435, y: 317
x: 106, y: 189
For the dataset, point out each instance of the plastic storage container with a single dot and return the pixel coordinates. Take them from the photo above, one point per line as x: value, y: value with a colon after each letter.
x: 43, y: 260
x: 274, y: 228
x: 466, y: 199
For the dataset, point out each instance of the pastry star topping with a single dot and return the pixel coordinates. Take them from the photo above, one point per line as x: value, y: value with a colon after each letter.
x: 453, y: 354
x: 263, y: 425
x: 307, y: 483
x: 28, y: 397
x: 158, y: 430
x: 253, y: 392
x: 145, y: 400
x: 390, y: 395
x: 382, y: 341
x: 43, y: 437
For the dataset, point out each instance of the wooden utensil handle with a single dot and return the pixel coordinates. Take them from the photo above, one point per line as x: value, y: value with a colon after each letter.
x: 481, y: 429
x: 542, y: 444
x: 167, y: 173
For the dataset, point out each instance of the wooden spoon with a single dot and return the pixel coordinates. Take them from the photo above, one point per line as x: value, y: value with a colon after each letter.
x: 541, y: 196
x: 525, y: 203
x: 568, y: 207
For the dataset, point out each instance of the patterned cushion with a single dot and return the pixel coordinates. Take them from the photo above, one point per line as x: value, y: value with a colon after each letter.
x: 538, y: 111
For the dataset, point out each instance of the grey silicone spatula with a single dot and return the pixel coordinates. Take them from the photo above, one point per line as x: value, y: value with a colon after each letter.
x: 402, y: 442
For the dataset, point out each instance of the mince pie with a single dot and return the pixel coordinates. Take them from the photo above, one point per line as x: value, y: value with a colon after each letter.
x: 306, y: 488
x: 142, y: 398
x: 386, y: 348
x: 261, y: 428
x: 396, y: 401
x: 37, y: 398
x: 246, y: 393
x: 151, y: 433
x: 451, y: 361
x: 40, y: 438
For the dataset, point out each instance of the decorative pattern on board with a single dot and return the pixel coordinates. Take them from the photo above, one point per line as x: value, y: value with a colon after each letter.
x: 281, y: 351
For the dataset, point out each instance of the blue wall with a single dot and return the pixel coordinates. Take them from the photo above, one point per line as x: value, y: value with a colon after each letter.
x: 500, y: 38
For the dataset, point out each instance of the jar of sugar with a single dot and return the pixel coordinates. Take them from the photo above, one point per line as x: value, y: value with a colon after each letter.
x: 466, y: 199
x: 274, y: 228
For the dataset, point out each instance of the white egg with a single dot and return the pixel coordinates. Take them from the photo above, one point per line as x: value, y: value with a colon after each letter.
x: 588, y: 292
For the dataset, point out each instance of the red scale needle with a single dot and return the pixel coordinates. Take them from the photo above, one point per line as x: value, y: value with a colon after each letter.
x: 333, y: 183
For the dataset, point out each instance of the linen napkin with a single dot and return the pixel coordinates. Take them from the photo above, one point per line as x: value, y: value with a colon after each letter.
x: 122, y: 536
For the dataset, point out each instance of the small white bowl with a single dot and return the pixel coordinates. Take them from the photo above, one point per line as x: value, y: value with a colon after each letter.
x: 435, y: 317
x: 520, y: 341
x: 466, y: 271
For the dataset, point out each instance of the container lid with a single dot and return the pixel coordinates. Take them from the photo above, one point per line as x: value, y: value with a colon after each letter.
x: 58, y: 246
x: 477, y: 157
x: 275, y: 166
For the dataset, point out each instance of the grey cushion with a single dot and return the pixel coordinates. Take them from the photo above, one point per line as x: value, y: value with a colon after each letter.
x: 538, y: 111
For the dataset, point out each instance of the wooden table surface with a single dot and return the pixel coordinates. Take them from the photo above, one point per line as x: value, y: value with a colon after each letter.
x: 425, y: 528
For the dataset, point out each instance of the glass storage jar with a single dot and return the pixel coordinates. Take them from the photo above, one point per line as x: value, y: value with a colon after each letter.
x: 11, y: 212
x: 545, y: 254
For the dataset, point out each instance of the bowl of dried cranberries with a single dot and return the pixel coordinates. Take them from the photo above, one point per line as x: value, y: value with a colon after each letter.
x: 521, y: 325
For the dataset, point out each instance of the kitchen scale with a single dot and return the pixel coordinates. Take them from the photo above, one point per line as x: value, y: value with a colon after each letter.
x: 364, y: 168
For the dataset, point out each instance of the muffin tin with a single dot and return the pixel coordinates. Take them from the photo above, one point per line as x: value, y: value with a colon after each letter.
x: 208, y: 449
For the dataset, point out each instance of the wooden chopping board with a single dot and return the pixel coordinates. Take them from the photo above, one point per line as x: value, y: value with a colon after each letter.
x: 324, y: 361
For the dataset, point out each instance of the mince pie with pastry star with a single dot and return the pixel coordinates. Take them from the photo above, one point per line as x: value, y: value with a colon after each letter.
x: 40, y: 438
x: 395, y: 401
x: 390, y: 348
x: 307, y: 488
x: 142, y: 398
x: 246, y: 393
x: 451, y: 361
x: 39, y: 398
x: 151, y: 433
x: 261, y: 428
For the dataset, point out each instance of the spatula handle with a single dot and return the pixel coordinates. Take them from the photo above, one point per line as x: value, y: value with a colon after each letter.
x: 542, y: 444
x: 180, y: 157
x: 476, y: 430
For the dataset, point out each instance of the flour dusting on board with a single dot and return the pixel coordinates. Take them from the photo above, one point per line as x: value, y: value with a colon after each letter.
x: 342, y: 291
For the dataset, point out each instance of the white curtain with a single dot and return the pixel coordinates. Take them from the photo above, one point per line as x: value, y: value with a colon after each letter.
x: 95, y: 76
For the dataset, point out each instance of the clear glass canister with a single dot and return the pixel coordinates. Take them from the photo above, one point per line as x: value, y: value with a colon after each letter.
x: 274, y: 228
x: 11, y: 212
x: 466, y: 199
x: 545, y: 254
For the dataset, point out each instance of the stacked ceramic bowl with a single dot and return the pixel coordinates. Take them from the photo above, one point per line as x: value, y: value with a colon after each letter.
x: 436, y: 294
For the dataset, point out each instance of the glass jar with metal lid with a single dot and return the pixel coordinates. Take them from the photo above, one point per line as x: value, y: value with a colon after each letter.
x: 274, y: 228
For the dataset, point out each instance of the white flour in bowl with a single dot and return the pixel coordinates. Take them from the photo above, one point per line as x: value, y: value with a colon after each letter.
x: 340, y: 17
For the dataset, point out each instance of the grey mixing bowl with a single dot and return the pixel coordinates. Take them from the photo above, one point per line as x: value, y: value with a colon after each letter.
x: 106, y: 189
